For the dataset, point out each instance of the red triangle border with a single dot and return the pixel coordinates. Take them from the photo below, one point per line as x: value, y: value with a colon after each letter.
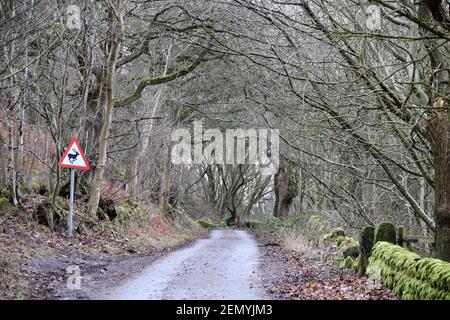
x: 70, y: 166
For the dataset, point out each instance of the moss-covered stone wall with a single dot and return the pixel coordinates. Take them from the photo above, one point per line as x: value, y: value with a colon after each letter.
x: 408, y: 275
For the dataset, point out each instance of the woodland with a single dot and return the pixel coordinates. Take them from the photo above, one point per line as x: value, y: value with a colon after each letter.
x: 359, y: 92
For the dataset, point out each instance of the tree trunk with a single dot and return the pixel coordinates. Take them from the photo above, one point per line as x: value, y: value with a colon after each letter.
x: 165, y: 184
x: 12, y: 161
x: 285, y: 188
x: 108, y: 109
x: 142, y: 153
x: 439, y: 129
x: 3, y: 162
x: 20, y: 151
x: 233, y: 216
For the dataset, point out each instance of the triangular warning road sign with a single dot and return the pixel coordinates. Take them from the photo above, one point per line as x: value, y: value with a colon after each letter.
x: 73, y: 157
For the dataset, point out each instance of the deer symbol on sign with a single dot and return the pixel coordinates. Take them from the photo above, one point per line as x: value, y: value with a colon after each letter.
x: 73, y: 157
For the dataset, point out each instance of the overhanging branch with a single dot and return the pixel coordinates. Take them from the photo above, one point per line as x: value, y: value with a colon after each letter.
x: 158, y: 80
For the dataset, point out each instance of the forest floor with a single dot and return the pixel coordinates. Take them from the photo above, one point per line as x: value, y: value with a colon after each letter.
x: 34, y: 262
x: 312, y: 275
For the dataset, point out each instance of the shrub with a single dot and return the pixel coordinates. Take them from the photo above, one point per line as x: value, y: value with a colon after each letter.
x: 274, y: 223
x: 334, y: 234
x: 128, y: 214
x: 253, y: 224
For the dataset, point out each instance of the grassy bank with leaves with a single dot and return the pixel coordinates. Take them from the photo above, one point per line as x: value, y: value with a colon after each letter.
x: 312, y: 267
x: 27, y: 245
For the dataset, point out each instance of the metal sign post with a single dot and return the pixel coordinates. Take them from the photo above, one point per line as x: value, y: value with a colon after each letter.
x: 72, y: 196
x: 73, y: 159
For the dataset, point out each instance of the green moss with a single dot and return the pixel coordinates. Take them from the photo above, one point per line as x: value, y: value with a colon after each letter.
x: 344, y: 242
x: 409, y: 275
x: 340, y: 260
x: 333, y: 235
x: 354, y: 267
x: 205, y: 223
x: 349, y: 252
x: 349, y: 261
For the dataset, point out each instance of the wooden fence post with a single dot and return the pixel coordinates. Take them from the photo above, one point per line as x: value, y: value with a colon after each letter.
x: 402, y: 236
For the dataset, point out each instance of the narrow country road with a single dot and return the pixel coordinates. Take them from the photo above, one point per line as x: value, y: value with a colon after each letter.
x: 222, y: 267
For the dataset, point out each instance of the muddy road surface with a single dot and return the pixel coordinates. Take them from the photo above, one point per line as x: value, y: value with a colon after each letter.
x: 223, y: 267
